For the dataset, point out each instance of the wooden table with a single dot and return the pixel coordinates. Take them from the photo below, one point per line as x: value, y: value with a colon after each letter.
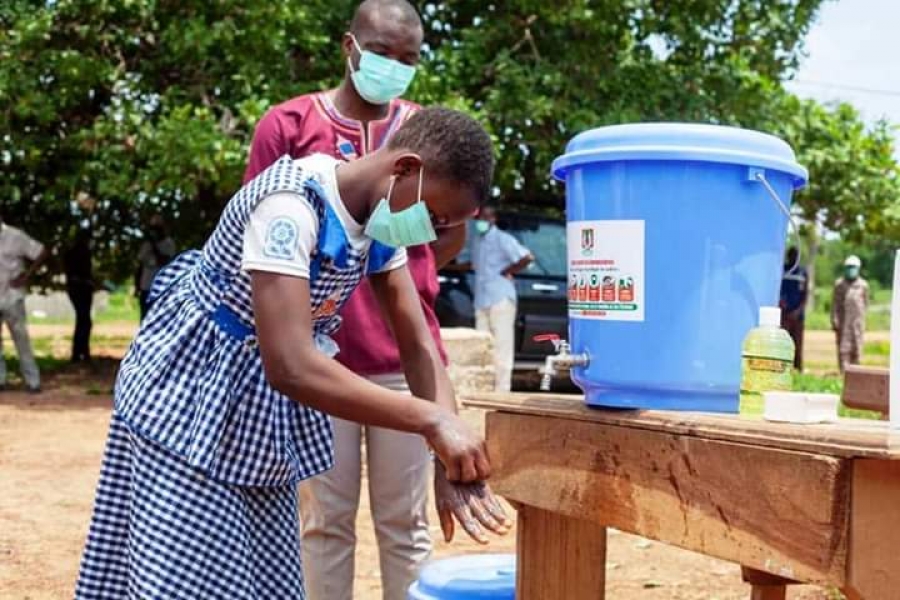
x: 815, y: 504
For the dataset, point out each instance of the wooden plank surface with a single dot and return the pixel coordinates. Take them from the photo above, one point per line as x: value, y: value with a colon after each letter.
x: 866, y: 388
x: 559, y: 557
x: 781, y: 512
x: 874, y: 554
x: 850, y: 438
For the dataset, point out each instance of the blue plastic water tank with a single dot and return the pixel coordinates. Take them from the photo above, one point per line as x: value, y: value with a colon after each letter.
x: 473, y: 577
x: 674, y: 243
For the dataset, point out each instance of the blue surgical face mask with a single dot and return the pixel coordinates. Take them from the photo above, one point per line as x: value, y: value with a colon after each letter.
x: 482, y: 226
x: 408, y: 227
x: 379, y: 79
x: 851, y: 273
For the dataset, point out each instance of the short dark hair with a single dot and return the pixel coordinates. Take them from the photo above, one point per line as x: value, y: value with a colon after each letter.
x: 406, y: 12
x: 453, y: 145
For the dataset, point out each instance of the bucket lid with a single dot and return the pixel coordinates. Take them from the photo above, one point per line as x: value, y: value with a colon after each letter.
x: 680, y: 141
x: 482, y: 576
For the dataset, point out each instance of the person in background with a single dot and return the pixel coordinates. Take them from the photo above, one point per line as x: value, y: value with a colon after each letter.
x: 80, y: 288
x: 848, y: 313
x: 17, y: 249
x: 496, y: 258
x: 156, y: 251
x: 381, y: 51
x: 794, y: 290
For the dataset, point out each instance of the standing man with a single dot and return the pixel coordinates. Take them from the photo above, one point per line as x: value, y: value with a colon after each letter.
x: 16, y: 247
x: 155, y: 253
x: 381, y: 51
x: 78, y: 265
x: 497, y: 257
x: 794, y: 291
x: 848, y: 313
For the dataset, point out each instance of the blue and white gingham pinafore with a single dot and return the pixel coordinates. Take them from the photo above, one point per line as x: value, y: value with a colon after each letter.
x: 197, y: 492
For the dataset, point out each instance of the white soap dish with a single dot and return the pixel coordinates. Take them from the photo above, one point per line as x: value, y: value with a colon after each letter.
x: 800, y: 407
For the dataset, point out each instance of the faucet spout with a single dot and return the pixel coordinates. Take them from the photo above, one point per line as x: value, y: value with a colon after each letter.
x: 563, y: 360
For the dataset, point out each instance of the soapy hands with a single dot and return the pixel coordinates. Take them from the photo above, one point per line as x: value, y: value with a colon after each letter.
x: 473, y: 505
x: 460, y: 449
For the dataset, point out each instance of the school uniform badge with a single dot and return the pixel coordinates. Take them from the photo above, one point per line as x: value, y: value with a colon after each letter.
x: 281, y: 239
x: 346, y: 149
x: 328, y: 307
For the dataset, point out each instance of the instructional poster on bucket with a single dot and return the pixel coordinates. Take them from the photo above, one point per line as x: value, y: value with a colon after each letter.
x: 606, y: 270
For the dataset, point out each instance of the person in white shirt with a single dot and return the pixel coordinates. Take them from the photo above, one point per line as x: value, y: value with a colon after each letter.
x: 497, y: 257
x: 20, y: 257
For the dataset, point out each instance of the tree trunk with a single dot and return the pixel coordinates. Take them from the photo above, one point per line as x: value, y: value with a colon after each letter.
x: 815, y: 240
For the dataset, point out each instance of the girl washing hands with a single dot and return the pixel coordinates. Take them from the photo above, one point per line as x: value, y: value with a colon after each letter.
x: 219, y: 402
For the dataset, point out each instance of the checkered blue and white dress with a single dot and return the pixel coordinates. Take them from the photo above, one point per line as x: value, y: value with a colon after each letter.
x: 196, y: 497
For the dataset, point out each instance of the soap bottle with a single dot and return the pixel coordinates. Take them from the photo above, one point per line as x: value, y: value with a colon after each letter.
x: 767, y: 360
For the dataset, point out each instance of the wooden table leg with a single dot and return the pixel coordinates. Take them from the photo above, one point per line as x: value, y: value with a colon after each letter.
x: 874, y: 561
x: 559, y: 557
x: 765, y: 586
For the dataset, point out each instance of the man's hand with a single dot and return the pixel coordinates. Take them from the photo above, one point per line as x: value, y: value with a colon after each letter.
x: 20, y: 281
x: 514, y: 269
x: 472, y: 504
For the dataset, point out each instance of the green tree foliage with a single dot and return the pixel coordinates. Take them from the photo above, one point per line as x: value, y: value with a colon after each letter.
x: 148, y: 105
x: 877, y: 259
x: 542, y: 71
x: 854, y: 185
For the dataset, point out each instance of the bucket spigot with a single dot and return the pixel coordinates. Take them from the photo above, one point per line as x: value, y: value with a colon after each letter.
x: 563, y: 360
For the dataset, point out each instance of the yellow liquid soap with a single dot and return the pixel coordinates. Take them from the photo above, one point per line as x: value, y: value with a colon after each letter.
x: 767, y: 361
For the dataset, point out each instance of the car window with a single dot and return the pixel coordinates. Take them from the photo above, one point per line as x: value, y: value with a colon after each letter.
x: 547, y: 242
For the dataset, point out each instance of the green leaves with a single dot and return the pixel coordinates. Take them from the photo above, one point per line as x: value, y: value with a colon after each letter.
x: 150, y: 105
x: 854, y: 183
x: 146, y: 106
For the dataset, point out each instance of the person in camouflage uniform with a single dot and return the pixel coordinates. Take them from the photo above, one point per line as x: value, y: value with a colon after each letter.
x: 848, y: 313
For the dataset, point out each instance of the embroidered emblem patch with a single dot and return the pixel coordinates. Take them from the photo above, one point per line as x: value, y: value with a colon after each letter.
x: 328, y: 307
x: 281, y: 239
x: 346, y: 149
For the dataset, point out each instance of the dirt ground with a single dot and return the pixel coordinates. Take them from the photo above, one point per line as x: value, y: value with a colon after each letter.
x: 50, y: 448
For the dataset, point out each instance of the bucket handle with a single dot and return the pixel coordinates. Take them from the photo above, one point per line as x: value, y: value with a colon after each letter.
x: 757, y: 174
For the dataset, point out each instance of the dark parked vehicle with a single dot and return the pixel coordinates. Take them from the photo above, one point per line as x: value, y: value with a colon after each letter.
x: 541, y: 287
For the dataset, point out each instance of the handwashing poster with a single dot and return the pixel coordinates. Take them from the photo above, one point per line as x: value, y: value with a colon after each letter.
x: 606, y: 270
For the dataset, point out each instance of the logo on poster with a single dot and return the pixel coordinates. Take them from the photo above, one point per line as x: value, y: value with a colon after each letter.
x: 587, y: 241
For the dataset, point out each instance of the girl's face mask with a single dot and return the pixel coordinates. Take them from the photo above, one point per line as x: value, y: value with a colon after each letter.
x: 408, y: 227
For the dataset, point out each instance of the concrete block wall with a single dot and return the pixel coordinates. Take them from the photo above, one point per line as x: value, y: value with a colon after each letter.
x: 471, y: 360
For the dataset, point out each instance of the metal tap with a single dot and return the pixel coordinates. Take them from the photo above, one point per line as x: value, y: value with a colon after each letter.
x: 563, y: 360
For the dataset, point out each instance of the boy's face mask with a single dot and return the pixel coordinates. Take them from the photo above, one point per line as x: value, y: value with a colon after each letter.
x: 482, y: 226
x: 408, y: 227
x: 379, y: 79
x: 851, y: 273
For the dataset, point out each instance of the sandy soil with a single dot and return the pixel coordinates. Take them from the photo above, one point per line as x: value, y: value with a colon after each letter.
x: 50, y: 447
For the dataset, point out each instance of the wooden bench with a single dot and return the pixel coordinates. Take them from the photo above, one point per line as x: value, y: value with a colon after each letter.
x: 866, y: 388
x: 790, y: 503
